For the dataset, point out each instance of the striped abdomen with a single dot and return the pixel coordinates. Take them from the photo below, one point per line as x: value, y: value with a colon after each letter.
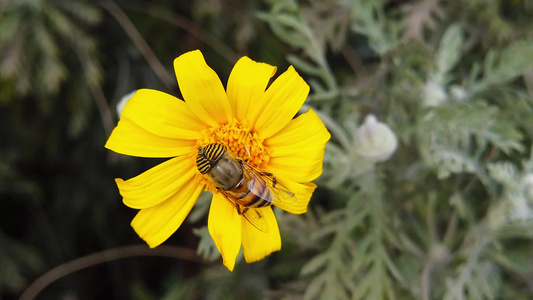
x: 245, y: 188
x: 254, y: 193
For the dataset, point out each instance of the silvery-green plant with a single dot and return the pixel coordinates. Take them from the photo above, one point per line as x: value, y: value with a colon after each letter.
x: 426, y: 198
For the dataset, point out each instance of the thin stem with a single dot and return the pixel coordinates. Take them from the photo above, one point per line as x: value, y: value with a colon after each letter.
x: 430, y: 218
x: 191, y: 27
x: 450, y: 230
x: 105, y: 256
x: 141, y: 44
x: 103, y: 109
x: 317, y: 53
x: 426, y: 280
x: 123, y: 74
x: 353, y: 61
x: 3, y: 7
x: 456, y: 290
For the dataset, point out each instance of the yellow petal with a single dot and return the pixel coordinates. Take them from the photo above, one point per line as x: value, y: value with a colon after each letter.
x: 224, y: 224
x: 257, y: 244
x: 283, y: 100
x: 158, y: 183
x: 130, y: 139
x: 302, y: 192
x: 201, y: 88
x: 246, y: 84
x: 297, y: 150
x: 156, y: 224
x: 163, y: 115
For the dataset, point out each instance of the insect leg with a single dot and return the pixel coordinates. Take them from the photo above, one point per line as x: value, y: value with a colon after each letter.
x: 274, y: 179
x: 241, y: 210
x: 244, y: 211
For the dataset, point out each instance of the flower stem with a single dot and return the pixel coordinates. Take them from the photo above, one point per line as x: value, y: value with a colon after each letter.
x: 101, y: 257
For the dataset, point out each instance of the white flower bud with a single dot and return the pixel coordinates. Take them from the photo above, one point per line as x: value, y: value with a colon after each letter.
x: 519, y: 210
x: 439, y: 254
x: 374, y: 140
x: 434, y: 94
x: 458, y: 93
x: 122, y: 103
x: 527, y: 185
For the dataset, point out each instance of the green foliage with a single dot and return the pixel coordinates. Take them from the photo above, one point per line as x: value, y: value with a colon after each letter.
x: 448, y: 55
x: 427, y: 187
x: 46, y: 43
x: 500, y: 67
x: 289, y: 24
x: 370, y: 20
x: 453, y: 139
x: 455, y: 133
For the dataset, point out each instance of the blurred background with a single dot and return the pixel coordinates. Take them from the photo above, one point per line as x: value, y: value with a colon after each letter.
x: 445, y: 213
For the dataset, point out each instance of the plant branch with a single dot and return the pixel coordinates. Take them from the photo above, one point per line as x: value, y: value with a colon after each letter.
x: 141, y: 44
x: 354, y: 61
x: 426, y: 280
x: 105, y: 256
x: 191, y: 27
x: 103, y: 108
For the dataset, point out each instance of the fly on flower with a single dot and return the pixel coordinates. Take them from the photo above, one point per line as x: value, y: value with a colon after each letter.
x: 242, y: 185
x: 243, y: 144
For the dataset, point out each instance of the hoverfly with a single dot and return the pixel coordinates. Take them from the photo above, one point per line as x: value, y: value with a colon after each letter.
x: 244, y: 186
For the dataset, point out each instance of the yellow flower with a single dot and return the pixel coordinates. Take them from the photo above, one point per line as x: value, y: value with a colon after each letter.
x: 254, y: 122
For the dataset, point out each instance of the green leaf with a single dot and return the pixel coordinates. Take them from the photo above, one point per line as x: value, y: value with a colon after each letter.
x: 448, y: 54
x: 302, y: 65
x: 206, y: 247
x: 500, y: 67
x: 314, y: 288
x: 315, y: 264
x: 453, y: 137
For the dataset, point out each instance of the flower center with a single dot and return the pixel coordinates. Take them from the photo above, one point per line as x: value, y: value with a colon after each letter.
x: 240, y: 142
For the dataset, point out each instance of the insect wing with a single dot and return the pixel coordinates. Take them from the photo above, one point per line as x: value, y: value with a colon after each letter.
x: 255, y: 217
x: 265, y: 186
x: 252, y: 215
